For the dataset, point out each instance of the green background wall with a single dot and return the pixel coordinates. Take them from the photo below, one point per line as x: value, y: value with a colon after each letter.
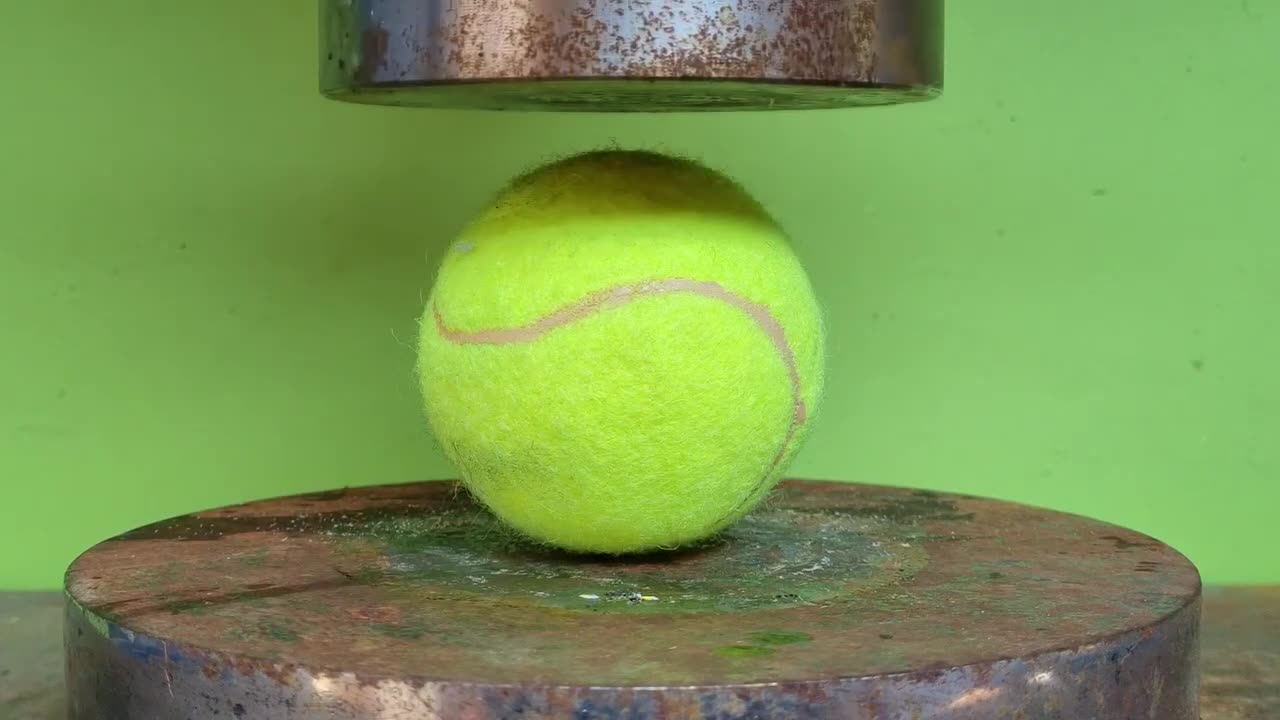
x: 1060, y: 284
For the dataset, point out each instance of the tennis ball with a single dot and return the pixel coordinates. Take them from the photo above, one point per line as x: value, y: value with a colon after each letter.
x: 621, y: 354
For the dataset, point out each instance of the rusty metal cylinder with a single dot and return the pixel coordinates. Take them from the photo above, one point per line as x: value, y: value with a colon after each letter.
x: 631, y: 55
x: 835, y: 601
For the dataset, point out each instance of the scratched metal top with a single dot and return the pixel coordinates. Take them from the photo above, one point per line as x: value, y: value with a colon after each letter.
x: 827, y: 581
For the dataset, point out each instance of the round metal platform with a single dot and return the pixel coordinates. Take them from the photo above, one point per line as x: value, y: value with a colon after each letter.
x: 833, y: 601
x: 631, y: 55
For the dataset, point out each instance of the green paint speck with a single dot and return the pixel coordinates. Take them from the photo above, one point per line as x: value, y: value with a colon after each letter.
x: 780, y: 637
x: 98, y: 623
x: 195, y: 608
x: 279, y: 632
x: 743, y: 651
x: 257, y: 560
x: 400, y: 632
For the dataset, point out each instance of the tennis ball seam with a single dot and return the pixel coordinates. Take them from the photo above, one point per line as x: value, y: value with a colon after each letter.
x: 617, y: 296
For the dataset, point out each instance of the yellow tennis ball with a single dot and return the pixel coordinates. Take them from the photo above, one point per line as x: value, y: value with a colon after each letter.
x: 622, y: 353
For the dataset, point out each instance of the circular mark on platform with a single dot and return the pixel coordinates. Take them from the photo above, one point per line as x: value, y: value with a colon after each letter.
x: 773, y: 559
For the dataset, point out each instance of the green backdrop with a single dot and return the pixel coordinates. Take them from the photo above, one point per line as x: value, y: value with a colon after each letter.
x: 1060, y: 284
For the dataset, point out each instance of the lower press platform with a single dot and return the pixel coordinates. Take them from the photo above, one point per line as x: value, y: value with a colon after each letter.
x: 834, y: 600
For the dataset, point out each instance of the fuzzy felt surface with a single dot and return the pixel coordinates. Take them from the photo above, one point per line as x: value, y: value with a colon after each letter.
x: 621, y: 354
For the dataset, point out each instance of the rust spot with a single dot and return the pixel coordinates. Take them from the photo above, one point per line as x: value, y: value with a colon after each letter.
x: 383, y: 614
x: 812, y: 40
x: 1127, y: 544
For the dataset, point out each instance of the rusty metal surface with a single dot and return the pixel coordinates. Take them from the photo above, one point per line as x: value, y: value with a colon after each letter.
x: 1240, y: 655
x: 647, y: 55
x: 835, y: 600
